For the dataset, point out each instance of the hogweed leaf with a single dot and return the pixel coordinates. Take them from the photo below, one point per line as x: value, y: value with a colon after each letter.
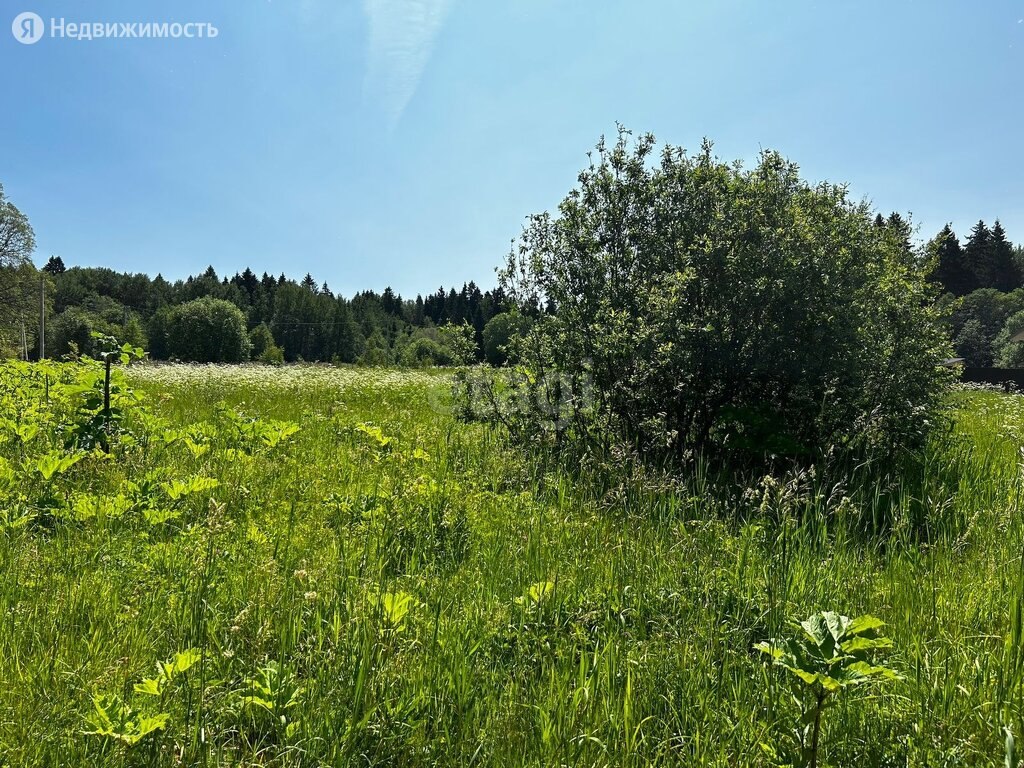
x: 185, y: 660
x: 112, y: 718
x: 149, y: 686
x: 865, y: 623
x: 861, y: 643
x: 394, y: 607
x: 158, y: 516
x: 537, y: 593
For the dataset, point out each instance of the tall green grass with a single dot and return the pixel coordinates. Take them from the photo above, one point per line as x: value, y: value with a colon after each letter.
x: 634, y: 647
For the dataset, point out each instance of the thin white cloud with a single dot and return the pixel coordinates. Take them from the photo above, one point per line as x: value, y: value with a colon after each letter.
x: 402, y: 34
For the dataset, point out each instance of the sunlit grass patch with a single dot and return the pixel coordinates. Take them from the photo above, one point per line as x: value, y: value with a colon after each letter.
x: 354, y: 577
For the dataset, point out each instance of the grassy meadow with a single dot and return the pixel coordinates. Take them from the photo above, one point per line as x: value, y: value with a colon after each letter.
x: 315, y: 566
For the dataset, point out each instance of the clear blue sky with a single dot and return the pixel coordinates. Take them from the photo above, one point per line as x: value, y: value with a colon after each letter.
x: 402, y: 142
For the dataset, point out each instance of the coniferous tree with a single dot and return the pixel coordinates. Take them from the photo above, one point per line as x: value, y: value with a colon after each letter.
x: 55, y: 266
x: 973, y: 345
x: 978, y: 251
x: 949, y: 265
x: 901, y: 229
x: 1007, y: 277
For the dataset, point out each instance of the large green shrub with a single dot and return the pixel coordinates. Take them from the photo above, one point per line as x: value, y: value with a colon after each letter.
x: 1010, y: 354
x: 458, y: 342
x: 262, y: 346
x: 72, y: 330
x: 424, y: 352
x: 498, y: 334
x: 692, y: 305
x: 207, y: 330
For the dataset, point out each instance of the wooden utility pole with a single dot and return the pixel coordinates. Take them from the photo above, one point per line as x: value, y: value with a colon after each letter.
x: 24, y: 342
x: 42, y: 317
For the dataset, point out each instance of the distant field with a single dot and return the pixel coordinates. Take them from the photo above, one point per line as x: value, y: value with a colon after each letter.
x: 335, y: 571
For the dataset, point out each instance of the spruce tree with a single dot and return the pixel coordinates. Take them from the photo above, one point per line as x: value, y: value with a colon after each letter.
x: 900, y: 229
x: 949, y: 265
x: 55, y: 266
x: 1007, y: 276
x: 980, y: 257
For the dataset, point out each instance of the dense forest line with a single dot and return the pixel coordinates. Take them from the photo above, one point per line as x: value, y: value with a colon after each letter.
x: 207, y: 318
x: 983, y: 283
x: 210, y: 318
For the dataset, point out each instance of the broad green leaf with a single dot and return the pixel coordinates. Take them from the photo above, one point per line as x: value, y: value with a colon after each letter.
x: 770, y: 648
x: 375, y: 434
x: 837, y: 624
x: 538, y: 592
x: 54, y: 463
x: 258, y: 702
x: 144, y: 726
x: 149, y: 686
x: 394, y: 606
x: 176, y: 489
x: 863, y: 624
x: 816, y: 628
x: 857, y: 644
x: 158, y: 516
x: 185, y: 660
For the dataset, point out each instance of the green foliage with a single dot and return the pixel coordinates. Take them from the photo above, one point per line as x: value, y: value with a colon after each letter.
x: 973, y: 345
x: 111, y: 718
x: 990, y: 257
x: 829, y: 653
x: 264, y: 350
x: 207, y: 330
x: 458, y: 342
x: 393, y: 609
x: 697, y: 306
x: 55, y: 266
x: 424, y: 352
x: 498, y: 335
x: 1009, y: 354
x: 268, y: 699
x: 167, y: 672
x: 376, y: 351
x: 19, y: 306
x: 54, y: 463
x: 948, y: 265
x: 387, y: 585
x: 538, y: 593
x: 986, y: 311
x: 17, y: 240
x: 114, y: 719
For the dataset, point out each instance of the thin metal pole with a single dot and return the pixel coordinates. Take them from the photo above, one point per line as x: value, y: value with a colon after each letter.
x: 42, y: 317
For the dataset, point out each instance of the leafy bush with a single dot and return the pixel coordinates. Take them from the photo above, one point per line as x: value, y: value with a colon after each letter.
x: 424, y: 352
x: 72, y: 329
x: 694, y: 306
x: 263, y: 348
x: 459, y: 342
x: 498, y: 335
x: 207, y: 330
x: 972, y: 345
x: 376, y: 351
x: 1010, y: 354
